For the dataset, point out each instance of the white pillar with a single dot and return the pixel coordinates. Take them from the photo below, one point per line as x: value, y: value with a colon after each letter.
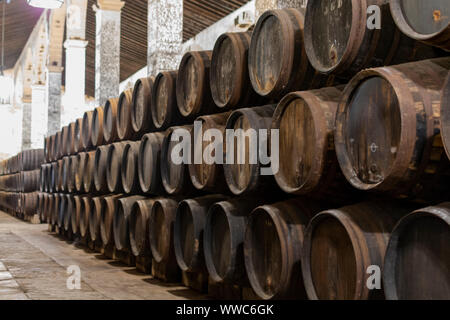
x: 54, y: 102
x: 165, y: 35
x: 74, y: 99
x: 107, y: 50
x: 39, y: 113
x: 26, y: 122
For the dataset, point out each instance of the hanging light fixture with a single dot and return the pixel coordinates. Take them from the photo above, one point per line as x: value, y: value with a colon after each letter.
x: 6, y: 83
x: 48, y: 4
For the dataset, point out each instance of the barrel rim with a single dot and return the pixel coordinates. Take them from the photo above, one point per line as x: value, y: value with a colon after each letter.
x: 355, y: 38
x: 97, y: 127
x: 408, y: 125
x: 171, y: 77
x: 142, y: 84
x: 160, y: 256
x: 401, y: 22
x: 110, y: 110
x: 125, y: 100
x: 440, y: 212
x: 86, y: 133
x: 128, y: 152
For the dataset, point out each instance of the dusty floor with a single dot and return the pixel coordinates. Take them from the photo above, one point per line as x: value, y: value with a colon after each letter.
x: 33, y: 265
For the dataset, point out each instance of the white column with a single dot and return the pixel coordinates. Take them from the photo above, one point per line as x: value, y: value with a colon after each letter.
x: 39, y: 113
x: 54, y: 102
x: 26, y: 122
x: 74, y: 99
x: 107, y: 50
x: 165, y: 35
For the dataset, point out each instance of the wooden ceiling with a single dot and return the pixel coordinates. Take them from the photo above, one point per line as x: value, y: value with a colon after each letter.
x: 19, y: 23
x: 198, y: 15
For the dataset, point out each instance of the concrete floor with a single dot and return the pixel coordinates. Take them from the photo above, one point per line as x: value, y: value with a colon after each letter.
x: 33, y: 265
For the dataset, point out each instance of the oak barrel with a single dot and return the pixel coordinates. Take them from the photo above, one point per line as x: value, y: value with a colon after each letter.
x: 149, y: 160
x: 141, y: 114
x: 114, y: 167
x: 139, y: 226
x: 129, y: 168
x: 123, y: 119
x: 77, y: 136
x: 106, y: 218
x: 109, y: 121
x: 97, y: 136
x: 165, y: 112
x: 86, y: 132
x: 85, y: 210
x: 88, y: 172
x: 101, y: 163
x: 121, y: 222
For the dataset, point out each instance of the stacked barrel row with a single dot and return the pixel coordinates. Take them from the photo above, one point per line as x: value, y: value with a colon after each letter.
x: 113, y: 177
x: 20, y: 183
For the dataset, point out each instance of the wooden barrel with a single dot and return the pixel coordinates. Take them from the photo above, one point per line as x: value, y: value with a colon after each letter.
x: 51, y: 148
x: 208, y: 175
x: 305, y: 121
x: 50, y: 209
x: 66, y: 173
x: 62, y: 211
x: 73, y: 167
x: 70, y: 142
x: 88, y: 172
x: 387, y: 130
x: 338, y: 40
x: 55, y: 209
x: 230, y: 80
x: 59, y: 175
x: 174, y: 176
x: 30, y: 203
x: 138, y: 227
x: 141, y: 115
x: 272, y: 248
x: 101, y: 162
x: 445, y: 116
x: 121, y: 222
x: 150, y: 164
x: 54, y: 176
x: 30, y: 181
x: 45, y: 207
x: 95, y: 217
x: 106, y: 218
x: 77, y: 139
x: 340, y: 245
x: 76, y: 214
x: 223, y: 239
x: 165, y: 112
x: 97, y: 136
x: 114, y: 168
x: 417, y: 261
x: 129, y: 168
x: 277, y: 60
x: 47, y: 142
x: 427, y: 21
x: 123, y: 119
x: 81, y: 159
x: 64, y: 140
x: 110, y: 121
x: 189, y: 224
x: 86, y: 132
x: 193, y: 85
x: 242, y: 176
x: 58, y: 145
x: 85, y: 210
x: 70, y: 210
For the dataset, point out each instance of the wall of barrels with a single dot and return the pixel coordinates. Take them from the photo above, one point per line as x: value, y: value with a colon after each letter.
x: 20, y: 184
x: 362, y: 117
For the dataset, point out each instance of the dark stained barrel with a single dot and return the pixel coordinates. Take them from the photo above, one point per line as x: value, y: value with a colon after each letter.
x: 109, y: 121
x: 114, y: 168
x: 277, y: 58
x: 54, y: 173
x: 81, y: 159
x: 77, y: 138
x: 417, y: 261
x: 445, y: 116
x: 129, y: 168
x: 305, y: 121
x: 65, y: 173
x: 193, y: 85
x: 101, y: 163
x: 427, y: 21
x: 64, y: 140
x: 141, y: 114
x: 30, y: 203
x: 340, y: 245
x: 123, y: 119
x: 106, y: 219
x: 85, y: 210
x: 95, y: 218
x: 175, y: 176
x: 339, y: 41
x: 30, y: 180
x: 230, y: 81
x: 272, y: 248
x: 150, y: 164
x: 58, y: 145
x: 73, y: 167
x: 244, y: 175
x: 165, y: 112
x: 47, y: 151
x: 70, y: 210
x: 139, y: 225
x: 188, y: 231
x: 70, y: 142
x: 88, y: 172
x: 76, y: 214
x: 121, y: 222
x: 55, y: 209
x: 223, y: 239
x: 50, y: 155
x: 59, y: 175
x: 86, y: 133
x: 387, y: 130
x: 208, y: 175
x: 97, y: 136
